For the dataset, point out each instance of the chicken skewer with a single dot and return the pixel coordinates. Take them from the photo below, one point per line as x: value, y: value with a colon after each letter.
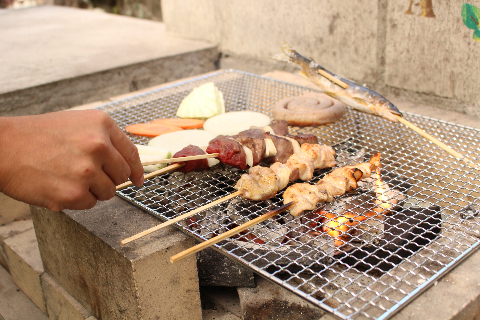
x: 335, y: 183
x: 357, y: 96
x: 263, y: 183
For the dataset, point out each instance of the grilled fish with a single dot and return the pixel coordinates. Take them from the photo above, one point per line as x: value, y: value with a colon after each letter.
x: 347, y: 91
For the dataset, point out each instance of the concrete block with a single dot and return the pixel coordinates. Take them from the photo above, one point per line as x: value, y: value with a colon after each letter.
x: 342, y: 38
x: 61, y: 305
x: 14, y: 304
x: 80, y: 56
x: 270, y: 301
x: 10, y: 230
x: 215, y: 269
x: 435, y: 56
x: 222, y: 300
x: 25, y: 264
x: 11, y: 210
x: 81, y: 250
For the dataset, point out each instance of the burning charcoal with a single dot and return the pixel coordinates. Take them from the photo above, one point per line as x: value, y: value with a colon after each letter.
x: 406, y: 232
x: 470, y: 212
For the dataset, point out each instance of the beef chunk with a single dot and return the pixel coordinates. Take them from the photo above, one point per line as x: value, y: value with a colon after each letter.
x: 230, y: 151
x: 193, y: 165
x: 304, y: 138
x: 280, y: 127
x: 284, y: 149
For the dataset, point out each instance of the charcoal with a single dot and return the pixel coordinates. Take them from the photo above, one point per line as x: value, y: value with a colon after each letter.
x: 406, y: 232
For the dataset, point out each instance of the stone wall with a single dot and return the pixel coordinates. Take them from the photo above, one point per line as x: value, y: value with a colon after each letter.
x: 418, y: 50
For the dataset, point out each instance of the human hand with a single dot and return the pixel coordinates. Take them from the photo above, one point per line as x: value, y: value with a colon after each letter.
x: 65, y: 160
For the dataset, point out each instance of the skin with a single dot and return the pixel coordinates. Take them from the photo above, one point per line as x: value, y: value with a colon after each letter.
x: 65, y: 160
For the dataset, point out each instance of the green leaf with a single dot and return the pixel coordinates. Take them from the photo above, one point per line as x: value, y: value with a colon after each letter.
x: 471, y: 16
x: 476, y: 35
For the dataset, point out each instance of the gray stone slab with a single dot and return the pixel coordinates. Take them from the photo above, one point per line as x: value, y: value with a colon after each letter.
x: 60, y: 57
x: 24, y: 263
x: 81, y: 250
x: 60, y: 305
x: 14, y: 304
x: 11, y: 210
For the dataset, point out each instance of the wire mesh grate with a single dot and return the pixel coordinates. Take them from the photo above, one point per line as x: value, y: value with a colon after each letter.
x: 386, y: 261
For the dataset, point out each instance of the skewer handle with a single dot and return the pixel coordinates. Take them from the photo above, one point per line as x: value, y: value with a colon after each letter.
x: 153, y: 174
x: 179, y: 218
x: 438, y: 143
x: 181, y: 159
x: 234, y: 231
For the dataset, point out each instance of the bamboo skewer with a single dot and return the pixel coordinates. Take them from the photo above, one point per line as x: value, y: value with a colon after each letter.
x: 333, y: 78
x: 232, y: 232
x: 179, y: 218
x: 153, y: 174
x: 438, y: 143
x: 181, y: 159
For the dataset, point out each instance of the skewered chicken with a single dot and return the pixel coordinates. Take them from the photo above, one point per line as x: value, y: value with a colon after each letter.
x: 337, y: 182
x: 262, y: 183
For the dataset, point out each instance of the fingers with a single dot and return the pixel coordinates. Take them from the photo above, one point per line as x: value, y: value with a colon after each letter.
x: 129, y: 152
x: 103, y: 187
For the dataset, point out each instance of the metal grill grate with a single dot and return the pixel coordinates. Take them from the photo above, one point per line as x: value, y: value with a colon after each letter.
x: 387, y: 261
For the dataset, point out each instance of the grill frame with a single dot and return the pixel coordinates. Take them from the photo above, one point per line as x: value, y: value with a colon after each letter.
x: 248, y: 91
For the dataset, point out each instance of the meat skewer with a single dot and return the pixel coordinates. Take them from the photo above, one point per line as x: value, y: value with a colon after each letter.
x: 256, y: 186
x: 335, y: 183
x: 249, y: 147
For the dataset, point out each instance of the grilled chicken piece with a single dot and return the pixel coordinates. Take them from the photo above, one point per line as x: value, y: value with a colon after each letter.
x: 333, y: 184
x: 368, y: 167
x: 321, y: 156
x: 306, y: 197
x: 304, y: 167
x: 339, y: 181
x: 283, y: 173
x: 259, y: 184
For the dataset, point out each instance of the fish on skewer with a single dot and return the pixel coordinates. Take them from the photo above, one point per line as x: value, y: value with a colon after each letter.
x: 352, y: 94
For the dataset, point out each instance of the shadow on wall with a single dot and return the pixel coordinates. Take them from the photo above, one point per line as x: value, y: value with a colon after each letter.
x: 144, y: 9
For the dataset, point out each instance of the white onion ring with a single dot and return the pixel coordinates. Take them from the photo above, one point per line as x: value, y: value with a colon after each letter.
x: 310, y: 109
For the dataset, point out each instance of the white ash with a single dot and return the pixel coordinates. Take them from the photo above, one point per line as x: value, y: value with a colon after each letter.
x: 347, y: 159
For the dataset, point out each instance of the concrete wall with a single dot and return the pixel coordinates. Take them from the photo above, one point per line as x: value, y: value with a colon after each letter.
x: 425, y: 56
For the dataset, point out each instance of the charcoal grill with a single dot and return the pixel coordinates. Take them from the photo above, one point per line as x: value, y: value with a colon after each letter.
x: 436, y: 226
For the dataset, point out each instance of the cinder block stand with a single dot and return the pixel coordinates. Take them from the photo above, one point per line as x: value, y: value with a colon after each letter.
x: 81, y: 251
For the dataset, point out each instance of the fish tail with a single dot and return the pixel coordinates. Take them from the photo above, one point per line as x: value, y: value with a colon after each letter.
x: 291, y: 55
